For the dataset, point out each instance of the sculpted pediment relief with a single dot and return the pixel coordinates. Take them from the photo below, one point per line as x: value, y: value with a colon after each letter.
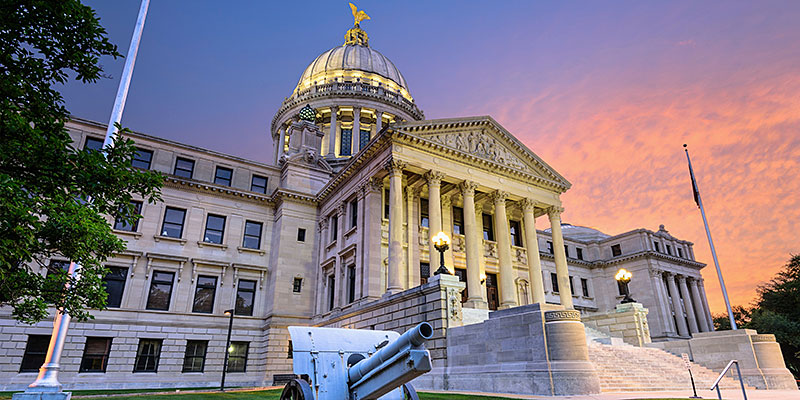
x: 481, y: 144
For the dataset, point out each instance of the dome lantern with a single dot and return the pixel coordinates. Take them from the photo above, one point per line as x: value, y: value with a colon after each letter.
x: 307, y: 114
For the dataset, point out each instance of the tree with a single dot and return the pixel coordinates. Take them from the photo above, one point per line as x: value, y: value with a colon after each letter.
x: 740, y: 314
x: 55, y: 199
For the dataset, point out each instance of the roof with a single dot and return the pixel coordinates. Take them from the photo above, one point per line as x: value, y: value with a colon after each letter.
x: 581, y: 233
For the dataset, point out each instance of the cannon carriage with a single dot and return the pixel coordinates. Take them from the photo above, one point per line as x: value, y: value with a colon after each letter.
x: 352, y: 364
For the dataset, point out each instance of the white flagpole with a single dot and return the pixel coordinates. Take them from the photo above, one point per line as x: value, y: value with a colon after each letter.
x: 710, y: 242
x: 47, y: 381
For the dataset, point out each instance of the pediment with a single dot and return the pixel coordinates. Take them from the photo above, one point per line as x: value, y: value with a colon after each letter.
x: 486, y: 139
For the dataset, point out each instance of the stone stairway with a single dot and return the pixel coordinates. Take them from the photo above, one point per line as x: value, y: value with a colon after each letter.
x: 626, y: 368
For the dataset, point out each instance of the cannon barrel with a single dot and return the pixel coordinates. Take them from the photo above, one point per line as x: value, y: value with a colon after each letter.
x: 413, y: 338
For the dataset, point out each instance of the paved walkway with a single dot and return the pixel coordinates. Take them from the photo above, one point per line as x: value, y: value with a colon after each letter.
x: 707, y: 394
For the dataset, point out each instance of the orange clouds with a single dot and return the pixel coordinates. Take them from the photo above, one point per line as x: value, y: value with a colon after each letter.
x: 622, y: 151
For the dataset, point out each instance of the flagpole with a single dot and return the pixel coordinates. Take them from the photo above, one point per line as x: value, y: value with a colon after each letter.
x: 47, y: 380
x: 710, y: 242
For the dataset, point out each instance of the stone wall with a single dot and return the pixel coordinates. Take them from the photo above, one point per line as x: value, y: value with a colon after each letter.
x: 628, y: 322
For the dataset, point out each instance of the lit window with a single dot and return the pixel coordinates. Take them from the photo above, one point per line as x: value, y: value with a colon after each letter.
x: 423, y: 212
x: 237, y: 356
x: 346, y: 142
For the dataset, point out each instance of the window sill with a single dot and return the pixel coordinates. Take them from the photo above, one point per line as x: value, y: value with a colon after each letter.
x: 330, y: 245
x: 588, y: 298
x: 169, y: 239
x: 350, y: 232
x: 209, y: 244
x: 249, y: 250
x: 136, y: 235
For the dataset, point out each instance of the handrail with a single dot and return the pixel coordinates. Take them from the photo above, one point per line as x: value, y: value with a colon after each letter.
x: 722, y: 375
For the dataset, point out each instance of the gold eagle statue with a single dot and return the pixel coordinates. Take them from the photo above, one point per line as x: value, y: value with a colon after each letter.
x: 358, y: 15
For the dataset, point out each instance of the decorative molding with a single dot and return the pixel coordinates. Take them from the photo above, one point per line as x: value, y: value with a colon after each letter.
x: 499, y: 196
x: 434, y: 178
x: 527, y: 205
x: 394, y: 166
x: 480, y: 144
x: 468, y: 188
x: 562, y: 315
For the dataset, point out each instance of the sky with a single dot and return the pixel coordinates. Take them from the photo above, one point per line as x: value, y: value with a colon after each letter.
x: 606, y: 92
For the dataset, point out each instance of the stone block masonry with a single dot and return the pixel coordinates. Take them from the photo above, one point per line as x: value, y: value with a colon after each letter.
x: 627, y: 321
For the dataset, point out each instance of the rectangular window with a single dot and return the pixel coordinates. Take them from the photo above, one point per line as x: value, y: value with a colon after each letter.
x: 297, y: 285
x: 301, y: 234
x: 35, y: 352
x: 488, y: 227
x: 424, y: 272
x: 92, y: 144
x: 160, y: 290
x: 252, y: 235
x: 669, y: 249
x: 458, y: 221
x: 215, y: 229
x: 680, y: 252
x: 550, y: 247
x: 237, y: 356
x: 95, y: 354
x: 386, y: 204
x: 579, y: 253
x: 516, y: 233
x: 147, y: 355
x: 142, y: 159
x: 258, y: 184
x: 346, y: 140
x: 331, y: 291
x: 585, y: 287
x: 223, y: 176
x: 245, y: 297
x: 616, y: 250
x: 353, y: 213
x: 334, y: 227
x: 554, y: 282
x: 194, y: 360
x: 423, y: 213
x: 657, y: 247
x: 173, y: 222
x: 204, y: 294
x: 184, y: 168
x: 114, y: 283
x: 351, y: 283
x: 121, y: 225
x: 363, y: 139
x: 566, y: 250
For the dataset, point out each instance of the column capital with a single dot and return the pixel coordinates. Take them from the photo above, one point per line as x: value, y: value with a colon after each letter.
x: 468, y: 187
x: 412, y: 191
x: 340, y: 209
x: 447, y: 201
x: 555, y: 211
x: 372, y: 185
x: 394, y: 166
x: 670, y: 274
x: 499, y: 196
x: 681, y: 278
x: 334, y: 109
x: 434, y: 177
x: 527, y: 205
x: 323, y: 224
x: 655, y: 272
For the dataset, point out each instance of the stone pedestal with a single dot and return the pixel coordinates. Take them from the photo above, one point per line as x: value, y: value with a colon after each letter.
x: 40, y: 393
x: 628, y: 321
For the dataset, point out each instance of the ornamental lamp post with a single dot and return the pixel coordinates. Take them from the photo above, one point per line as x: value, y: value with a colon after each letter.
x: 227, y: 349
x: 624, y: 276
x: 441, y: 242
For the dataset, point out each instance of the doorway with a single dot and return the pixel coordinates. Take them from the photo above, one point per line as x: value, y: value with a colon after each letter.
x: 491, y: 291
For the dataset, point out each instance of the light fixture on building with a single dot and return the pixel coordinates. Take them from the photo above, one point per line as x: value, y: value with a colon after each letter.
x: 624, y: 276
x: 228, y: 349
x: 441, y: 242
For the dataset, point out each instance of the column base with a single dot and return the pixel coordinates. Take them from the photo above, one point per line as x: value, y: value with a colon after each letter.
x: 506, y: 306
x: 476, y: 303
x: 42, y: 394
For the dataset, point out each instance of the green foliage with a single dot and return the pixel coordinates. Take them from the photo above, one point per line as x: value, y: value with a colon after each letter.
x: 740, y: 314
x: 45, y: 183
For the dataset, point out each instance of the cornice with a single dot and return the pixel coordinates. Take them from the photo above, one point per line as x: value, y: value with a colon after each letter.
x: 216, y: 190
x: 282, y: 195
x: 648, y: 254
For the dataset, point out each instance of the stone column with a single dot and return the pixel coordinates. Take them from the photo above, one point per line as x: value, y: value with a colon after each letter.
x: 338, y: 296
x: 447, y: 227
x: 281, y: 145
x: 332, y: 151
x: 687, y: 304
x: 668, y: 326
x: 474, y: 251
x: 564, y: 289
x: 683, y: 330
x: 412, y: 234
x: 361, y: 264
x: 697, y: 302
x: 702, y: 289
x: 434, y: 179
x: 532, y: 249
x: 378, y: 122
x: 321, y: 235
x: 371, y: 239
x: 508, y: 293
x: 395, y: 273
x: 356, y: 136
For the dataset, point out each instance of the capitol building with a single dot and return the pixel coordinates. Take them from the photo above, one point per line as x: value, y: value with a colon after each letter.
x: 337, y: 229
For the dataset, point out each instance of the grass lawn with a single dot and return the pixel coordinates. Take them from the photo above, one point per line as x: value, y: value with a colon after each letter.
x: 274, y: 394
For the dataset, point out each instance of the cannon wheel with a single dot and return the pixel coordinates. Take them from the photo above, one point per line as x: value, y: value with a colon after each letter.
x: 409, y: 393
x: 297, y: 389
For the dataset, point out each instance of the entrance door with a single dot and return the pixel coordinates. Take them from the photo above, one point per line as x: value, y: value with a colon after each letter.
x: 491, y: 291
x: 462, y: 276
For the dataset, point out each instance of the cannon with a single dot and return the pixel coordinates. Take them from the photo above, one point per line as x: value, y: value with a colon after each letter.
x: 355, y: 364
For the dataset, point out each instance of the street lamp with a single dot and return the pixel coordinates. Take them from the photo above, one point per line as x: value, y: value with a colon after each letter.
x: 441, y: 242
x: 227, y: 349
x: 624, y: 276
